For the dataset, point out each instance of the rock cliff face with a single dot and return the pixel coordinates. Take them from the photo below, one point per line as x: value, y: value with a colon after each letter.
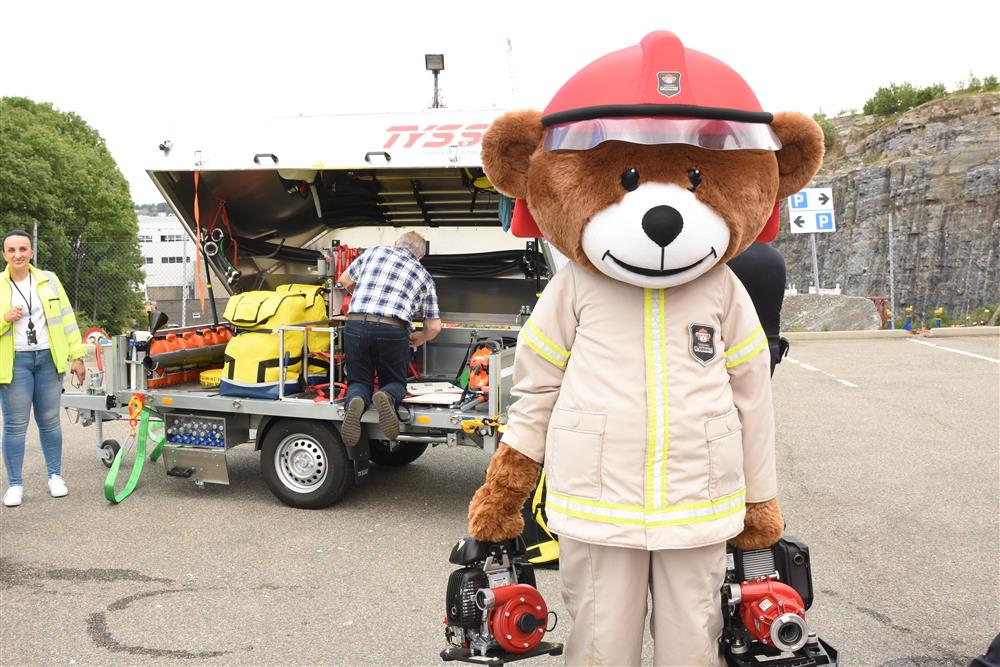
x: 935, y: 170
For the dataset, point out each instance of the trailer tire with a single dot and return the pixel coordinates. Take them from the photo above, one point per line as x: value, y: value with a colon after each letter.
x: 405, y: 453
x: 109, y: 450
x: 304, y: 463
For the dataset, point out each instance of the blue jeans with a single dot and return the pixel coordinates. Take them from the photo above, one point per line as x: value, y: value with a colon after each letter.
x: 373, y: 347
x: 35, y: 382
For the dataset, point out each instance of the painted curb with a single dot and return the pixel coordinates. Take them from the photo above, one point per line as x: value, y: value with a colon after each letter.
x: 877, y: 334
x: 962, y: 331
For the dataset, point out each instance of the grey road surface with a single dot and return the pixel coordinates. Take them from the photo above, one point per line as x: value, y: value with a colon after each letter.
x: 888, y: 470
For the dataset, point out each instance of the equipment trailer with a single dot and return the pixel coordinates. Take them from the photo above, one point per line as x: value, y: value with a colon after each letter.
x: 294, y: 206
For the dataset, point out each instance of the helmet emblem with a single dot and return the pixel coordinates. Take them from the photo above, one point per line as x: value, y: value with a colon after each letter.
x: 668, y: 83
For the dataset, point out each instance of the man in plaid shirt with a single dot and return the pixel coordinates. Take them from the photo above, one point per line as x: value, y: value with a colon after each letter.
x: 388, y: 287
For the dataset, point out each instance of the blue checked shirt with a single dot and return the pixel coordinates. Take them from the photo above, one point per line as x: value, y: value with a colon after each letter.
x: 392, y: 283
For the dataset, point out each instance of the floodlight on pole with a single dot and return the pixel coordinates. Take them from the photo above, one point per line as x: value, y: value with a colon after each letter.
x: 435, y: 63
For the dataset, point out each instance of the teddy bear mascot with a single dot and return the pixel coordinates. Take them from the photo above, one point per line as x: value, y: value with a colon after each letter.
x: 642, y: 374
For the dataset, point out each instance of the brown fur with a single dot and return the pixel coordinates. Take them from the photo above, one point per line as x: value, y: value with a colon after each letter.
x: 507, y: 148
x: 564, y: 189
x: 801, y: 150
x: 762, y: 526
x: 495, y: 510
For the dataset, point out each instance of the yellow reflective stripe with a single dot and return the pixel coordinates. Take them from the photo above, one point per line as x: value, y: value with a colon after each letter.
x: 715, y: 515
x: 650, y: 394
x: 545, y: 348
x: 67, y: 310
x: 748, y: 355
x: 657, y: 413
x: 54, y: 320
x: 542, y: 338
x: 639, y: 508
x: 70, y: 328
x: 749, y: 341
x: 543, y: 353
x: 634, y: 515
x: 595, y: 503
x: 665, y: 404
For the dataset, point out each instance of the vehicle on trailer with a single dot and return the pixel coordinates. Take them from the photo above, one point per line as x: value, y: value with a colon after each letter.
x: 277, y: 213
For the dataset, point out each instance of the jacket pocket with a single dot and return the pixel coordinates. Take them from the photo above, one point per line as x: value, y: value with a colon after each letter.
x: 724, y: 436
x: 573, y: 448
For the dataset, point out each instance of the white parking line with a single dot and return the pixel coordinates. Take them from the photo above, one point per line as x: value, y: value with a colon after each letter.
x: 951, y: 349
x: 820, y: 370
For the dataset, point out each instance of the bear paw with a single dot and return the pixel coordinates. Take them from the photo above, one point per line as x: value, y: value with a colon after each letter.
x: 491, y: 520
x: 762, y: 526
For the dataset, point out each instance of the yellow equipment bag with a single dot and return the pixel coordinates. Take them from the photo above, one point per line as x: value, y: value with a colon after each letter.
x: 315, y: 312
x: 252, y: 356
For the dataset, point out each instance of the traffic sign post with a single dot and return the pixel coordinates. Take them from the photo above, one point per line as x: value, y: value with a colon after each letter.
x: 810, y: 211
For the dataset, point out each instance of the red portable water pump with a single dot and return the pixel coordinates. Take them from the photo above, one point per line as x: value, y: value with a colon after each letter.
x: 494, y: 613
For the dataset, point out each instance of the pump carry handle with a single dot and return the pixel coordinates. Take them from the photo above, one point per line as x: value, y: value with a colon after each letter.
x: 258, y: 156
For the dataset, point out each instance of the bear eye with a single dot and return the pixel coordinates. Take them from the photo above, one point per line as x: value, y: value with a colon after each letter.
x: 694, y: 175
x: 630, y: 179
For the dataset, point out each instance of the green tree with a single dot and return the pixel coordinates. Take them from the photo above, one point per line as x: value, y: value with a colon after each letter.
x: 897, y: 98
x: 56, y: 172
x: 829, y: 134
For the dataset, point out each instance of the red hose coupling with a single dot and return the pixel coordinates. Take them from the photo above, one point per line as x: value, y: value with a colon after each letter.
x: 772, y: 612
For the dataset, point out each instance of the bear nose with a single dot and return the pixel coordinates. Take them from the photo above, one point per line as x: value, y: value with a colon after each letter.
x: 662, y: 224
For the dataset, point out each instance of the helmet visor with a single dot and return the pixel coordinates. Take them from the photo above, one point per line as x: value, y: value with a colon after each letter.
x: 718, y: 135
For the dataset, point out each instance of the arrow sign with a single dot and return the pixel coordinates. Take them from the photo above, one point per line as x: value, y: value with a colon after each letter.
x: 810, y: 211
x: 813, y: 222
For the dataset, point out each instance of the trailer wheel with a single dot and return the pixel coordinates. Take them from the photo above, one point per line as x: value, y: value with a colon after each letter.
x: 305, y: 464
x: 109, y: 450
x: 406, y: 452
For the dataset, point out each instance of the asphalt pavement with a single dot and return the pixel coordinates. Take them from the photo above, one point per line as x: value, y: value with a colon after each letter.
x: 888, y: 469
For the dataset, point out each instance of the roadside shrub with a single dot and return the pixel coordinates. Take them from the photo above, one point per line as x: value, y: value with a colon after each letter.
x: 979, y: 316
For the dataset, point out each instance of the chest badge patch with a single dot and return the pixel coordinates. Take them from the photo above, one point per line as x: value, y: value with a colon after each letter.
x: 702, y: 343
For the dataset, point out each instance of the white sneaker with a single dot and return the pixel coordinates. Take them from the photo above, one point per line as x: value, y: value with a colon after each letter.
x: 57, y: 487
x: 13, y: 496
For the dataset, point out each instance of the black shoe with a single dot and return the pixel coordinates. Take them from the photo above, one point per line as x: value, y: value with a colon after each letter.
x: 387, y: 419
x: 350, y: 430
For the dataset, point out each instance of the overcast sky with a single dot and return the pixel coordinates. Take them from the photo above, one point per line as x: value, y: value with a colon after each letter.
x: 141, y: 71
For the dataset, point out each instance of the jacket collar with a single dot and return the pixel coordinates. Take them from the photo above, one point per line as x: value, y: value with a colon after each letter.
x: 37, y: 274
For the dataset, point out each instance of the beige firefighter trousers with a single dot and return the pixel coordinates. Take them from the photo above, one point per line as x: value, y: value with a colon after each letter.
x: 605, y: 590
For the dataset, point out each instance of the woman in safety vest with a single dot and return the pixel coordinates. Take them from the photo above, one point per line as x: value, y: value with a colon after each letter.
x: 38, y: 334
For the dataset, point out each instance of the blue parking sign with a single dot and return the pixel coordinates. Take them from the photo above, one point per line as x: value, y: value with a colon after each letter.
x: 798, y: 200
x: 824, y: 220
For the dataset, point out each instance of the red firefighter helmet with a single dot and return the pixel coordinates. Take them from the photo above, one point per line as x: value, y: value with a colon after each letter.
x: 703, y: 102
x: 659, y: 76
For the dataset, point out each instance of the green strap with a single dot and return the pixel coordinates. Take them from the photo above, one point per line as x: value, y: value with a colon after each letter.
x: 141, y: 437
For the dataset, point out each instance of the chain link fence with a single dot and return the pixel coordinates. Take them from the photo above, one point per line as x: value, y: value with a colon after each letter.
x: 114, y: 284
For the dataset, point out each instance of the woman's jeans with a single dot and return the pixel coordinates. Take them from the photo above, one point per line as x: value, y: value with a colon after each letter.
x: 35, y: 382
x: 370, y: 348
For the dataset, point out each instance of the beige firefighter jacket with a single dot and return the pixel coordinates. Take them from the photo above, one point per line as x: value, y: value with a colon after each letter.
x: 650, y: 408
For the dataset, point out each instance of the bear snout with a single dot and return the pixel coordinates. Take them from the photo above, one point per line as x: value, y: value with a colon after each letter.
x: 662, y: 224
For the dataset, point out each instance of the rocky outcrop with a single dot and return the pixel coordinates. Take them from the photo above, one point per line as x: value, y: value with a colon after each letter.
x: 935, y: 172
x: 828, y: 312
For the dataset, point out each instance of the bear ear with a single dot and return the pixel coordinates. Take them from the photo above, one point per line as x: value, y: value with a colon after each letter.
x: 801, y: 151
x: 507, y: 149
